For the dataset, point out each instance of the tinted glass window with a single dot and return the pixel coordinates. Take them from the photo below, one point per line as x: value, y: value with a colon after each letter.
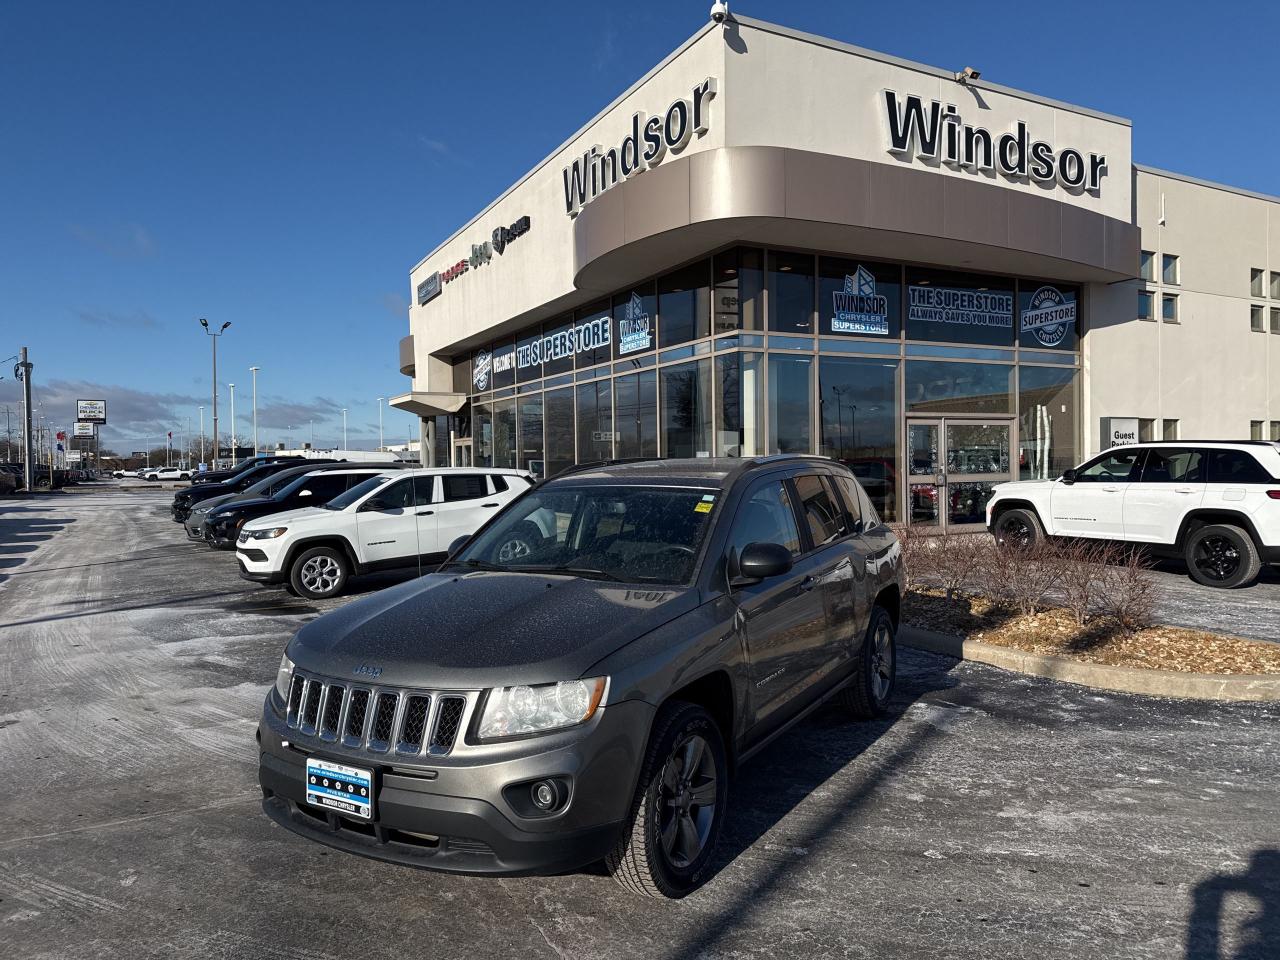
x: 398, y: 495
x: 636, y: 422
x: 738, y: 278
x: 529, y: 408
x: 819, y: 509
x: 790, y: 278
x: 323, y: 488
x: 557, y: 349
x: 766, y: 517
x: 424, y: 489
x: 1047, y: 315
x: 686, y: 409
x: 1235, y: 466
x: 592, y: 331
x: 684, y: 304
x: 857, y: 298
x: 959, y: 307
x: 849, y: 493
x: 1172, y: 465
x: 504, y: 364
x: 499, y: 482
x: 1111, y: 468
x: 947, y: 387
x: 464, y: 486
x: 633, y: 321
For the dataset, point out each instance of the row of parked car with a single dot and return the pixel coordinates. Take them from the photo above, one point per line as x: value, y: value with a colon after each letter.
x: 313, y: 524
x: 13, y: 477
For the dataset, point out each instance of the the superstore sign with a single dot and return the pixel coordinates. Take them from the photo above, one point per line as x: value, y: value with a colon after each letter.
x: 580, y: 338
x: 971, y: 308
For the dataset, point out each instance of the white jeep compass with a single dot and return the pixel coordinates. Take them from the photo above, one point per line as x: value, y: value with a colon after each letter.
x: 1215, y: 504
x: 397, y: 519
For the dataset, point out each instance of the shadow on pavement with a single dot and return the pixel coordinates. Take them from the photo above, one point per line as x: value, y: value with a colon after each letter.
x: 1259, y: 936
x: 21, y: 528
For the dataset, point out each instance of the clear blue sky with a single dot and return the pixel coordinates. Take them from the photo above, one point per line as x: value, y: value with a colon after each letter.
x: 282, y: 165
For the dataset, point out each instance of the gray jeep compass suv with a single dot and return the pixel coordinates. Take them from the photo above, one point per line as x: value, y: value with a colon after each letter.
x: 578, y: 681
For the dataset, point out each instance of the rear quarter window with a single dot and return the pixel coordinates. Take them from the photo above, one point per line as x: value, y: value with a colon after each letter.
x: 1236, y: 466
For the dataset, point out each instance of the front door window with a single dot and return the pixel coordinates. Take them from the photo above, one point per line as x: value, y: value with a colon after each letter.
x: 953, y: 465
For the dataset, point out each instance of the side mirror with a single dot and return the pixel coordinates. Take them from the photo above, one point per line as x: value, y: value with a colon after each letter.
x: 457, y: 544
x: 1069, y: 476
x: 857, y: 527
x: 760, y: 561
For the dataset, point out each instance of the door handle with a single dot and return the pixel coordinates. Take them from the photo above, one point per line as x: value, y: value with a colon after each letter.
x: 1184, y: 490
x: 425, y: 513
x: 1110, y: 489
x: 488, y: 504
x: 808, y: 583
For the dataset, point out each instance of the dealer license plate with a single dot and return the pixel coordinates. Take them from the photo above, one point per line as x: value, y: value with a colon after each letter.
x: 342, y: 789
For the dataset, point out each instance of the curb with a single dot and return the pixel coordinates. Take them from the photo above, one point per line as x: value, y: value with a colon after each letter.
x: 1152, y: 683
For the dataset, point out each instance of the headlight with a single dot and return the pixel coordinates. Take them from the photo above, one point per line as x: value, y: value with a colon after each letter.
x: 516, y: 711
x: 284, y: 676
x: 263, y: 534
x: 202, y: 509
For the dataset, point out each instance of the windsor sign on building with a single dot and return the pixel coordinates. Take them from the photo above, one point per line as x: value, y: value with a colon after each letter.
x: 936, y: 134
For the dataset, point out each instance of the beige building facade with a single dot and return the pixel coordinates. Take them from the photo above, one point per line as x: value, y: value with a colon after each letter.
x: 775, y: 242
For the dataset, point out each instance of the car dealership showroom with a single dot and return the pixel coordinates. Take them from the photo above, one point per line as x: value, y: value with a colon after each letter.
x: 779, y: 243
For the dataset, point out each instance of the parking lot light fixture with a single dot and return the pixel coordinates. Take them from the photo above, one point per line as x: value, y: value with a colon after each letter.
x: 254, y: 371
x: 380, y: 443
x: 215, y: 335
x: 344, y: 428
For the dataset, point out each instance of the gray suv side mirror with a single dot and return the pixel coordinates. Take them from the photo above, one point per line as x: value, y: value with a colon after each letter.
x: 759, y: 561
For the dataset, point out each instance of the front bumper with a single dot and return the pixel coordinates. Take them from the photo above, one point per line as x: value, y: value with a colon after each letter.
x: 222, y: 534
x: 454, y: 816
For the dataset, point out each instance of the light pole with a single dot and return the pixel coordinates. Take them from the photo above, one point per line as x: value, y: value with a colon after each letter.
x: 254, y: 371
x: 202, y: 434
x: 380, y: 443
x: 344, y: 428
x: 233, y: 423
x: 312, y: 424
x: 221, y: 330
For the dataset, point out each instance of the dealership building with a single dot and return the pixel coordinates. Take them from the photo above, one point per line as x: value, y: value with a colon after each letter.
x: 779, y: 243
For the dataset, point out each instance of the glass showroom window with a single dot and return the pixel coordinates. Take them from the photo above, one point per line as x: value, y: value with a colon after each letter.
x: 1257, y: 318
x: 482, y: 445
x: 959, y: 307
x: 857, y: 403
x: 1048, y: 315
x: 937, y: 386
x: 1046, y: 422
x: 1169, y: 269
x: 635, y: 321
x: 557, y: 348
x: 737, y: 292
x: 1146, y: 305
x: 504, y: 433
x: 636, y: 423
x: 686, y: 409
x: 790, y: 403
x: 739, y: 410
x: 558, y: 415
x: 592, y: 330
x: 595, y: 421
x: 790, y: 278
x: 1147, y: 265
x: 504, y: 364
x: 1169, y: 307
x: 527, y: 348
x: 684, y: 304
x: 859, y: 298
x: 529, y: 426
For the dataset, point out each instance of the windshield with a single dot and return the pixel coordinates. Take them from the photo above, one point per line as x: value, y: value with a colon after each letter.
x: 344, y: 500
x: 624, y: 533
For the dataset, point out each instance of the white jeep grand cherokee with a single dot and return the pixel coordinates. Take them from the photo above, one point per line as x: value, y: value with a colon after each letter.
x: 1215, y: 504
x: 397, y: 519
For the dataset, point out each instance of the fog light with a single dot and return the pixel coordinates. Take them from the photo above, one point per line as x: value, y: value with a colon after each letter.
x: 545, y: 795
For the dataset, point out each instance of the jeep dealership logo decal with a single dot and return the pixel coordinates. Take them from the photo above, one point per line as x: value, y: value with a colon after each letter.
x: 858, y: 308
x: 1049, y: 316
x: 634, y: 329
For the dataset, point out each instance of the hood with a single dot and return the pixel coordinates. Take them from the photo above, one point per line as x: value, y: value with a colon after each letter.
x: 1024, y: 485
x: 475, y: 630
x: 240, y: 500
x: 213, y: 502
x: 299, y: 515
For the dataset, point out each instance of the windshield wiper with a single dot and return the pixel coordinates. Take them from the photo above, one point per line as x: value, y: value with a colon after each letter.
x: 587, y: 573
x: 476, y: 565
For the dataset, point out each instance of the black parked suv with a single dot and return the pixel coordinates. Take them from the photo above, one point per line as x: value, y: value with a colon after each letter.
x: 579, y: 680
x: 310, y: 488
x: 187, y: 498
x: 221, y: 476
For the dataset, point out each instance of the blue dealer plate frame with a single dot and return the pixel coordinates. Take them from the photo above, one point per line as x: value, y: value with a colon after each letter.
x: 340, y: 788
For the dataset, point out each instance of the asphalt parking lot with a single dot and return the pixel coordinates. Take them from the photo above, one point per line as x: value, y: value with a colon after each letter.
x: 993, y: 815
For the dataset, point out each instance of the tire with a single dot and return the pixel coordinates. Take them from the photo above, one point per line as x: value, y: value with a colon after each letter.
x: 1222, y: 555
x: 1018, y: 529
x: 319, y: 573
x: 867, y: 695
x: 649, y: 859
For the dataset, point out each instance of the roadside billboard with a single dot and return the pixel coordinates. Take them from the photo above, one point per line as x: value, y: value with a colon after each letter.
x: 83, y: 430
x: 91, y: 411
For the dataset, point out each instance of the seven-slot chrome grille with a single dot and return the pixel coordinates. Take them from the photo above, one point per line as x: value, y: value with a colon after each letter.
x: 389, y: 720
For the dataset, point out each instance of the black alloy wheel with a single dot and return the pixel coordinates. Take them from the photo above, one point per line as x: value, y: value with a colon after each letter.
x: 1222, y: 555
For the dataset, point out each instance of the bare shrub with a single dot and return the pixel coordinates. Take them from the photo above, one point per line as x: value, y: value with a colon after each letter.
x: 1084, y: 566
x: 956, y: 560
x: 1020, y: 579
x: 1127, y: 593
x: 910, y: 541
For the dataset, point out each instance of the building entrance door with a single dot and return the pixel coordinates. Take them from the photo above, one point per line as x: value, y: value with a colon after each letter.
x: 952, y: 464
x: 461, y: 453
